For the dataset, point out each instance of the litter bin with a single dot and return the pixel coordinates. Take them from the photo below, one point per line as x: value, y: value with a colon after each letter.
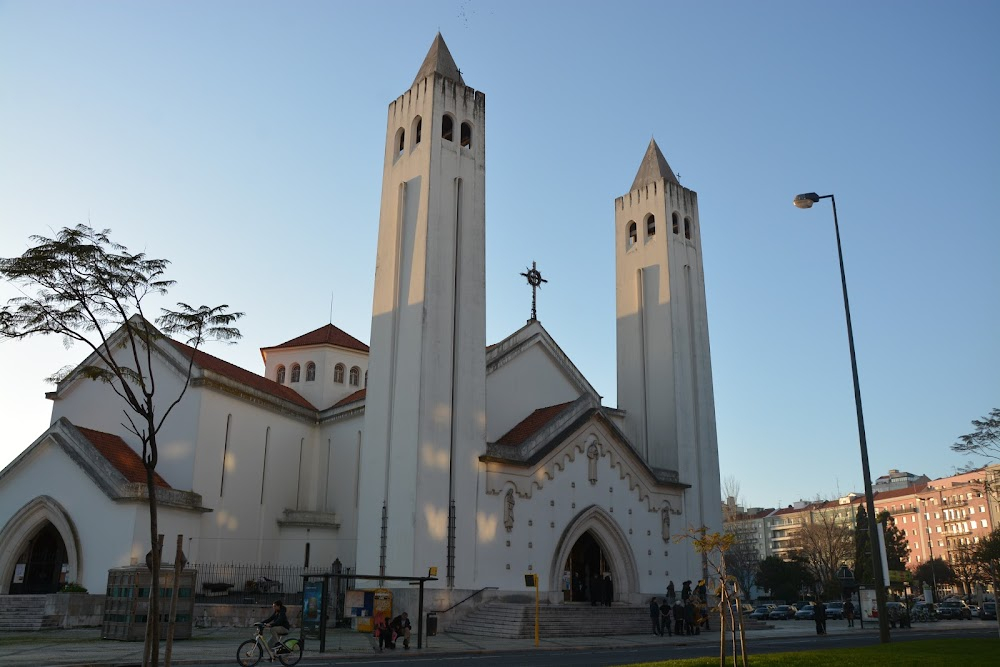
x: 432, y: 624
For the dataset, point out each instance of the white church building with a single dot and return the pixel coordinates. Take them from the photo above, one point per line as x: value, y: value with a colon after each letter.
x: 426, y: 447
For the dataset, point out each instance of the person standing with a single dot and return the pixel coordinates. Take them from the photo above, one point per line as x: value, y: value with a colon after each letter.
x: 686, y: 592
x: 609, y: 590
x: 849, y: 613
x: 678, y: 618
x: 665, y: 619
x: 654, y: 615
x: 820, y: 617
x: 689, y: 626
x: 671, y: 593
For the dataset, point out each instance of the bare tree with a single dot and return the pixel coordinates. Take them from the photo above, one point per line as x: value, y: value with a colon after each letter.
x: 824, y: 545
x: 89, y: 290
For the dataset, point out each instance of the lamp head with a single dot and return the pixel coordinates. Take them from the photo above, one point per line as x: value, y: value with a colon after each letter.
x: 806, y: 200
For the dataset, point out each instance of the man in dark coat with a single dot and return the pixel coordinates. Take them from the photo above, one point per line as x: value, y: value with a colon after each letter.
x: 609, y: 590
x: 654, y: 615
x: 820, y: 617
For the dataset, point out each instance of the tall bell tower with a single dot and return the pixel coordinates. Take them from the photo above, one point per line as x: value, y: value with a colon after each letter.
x: 664, y: 362
x: 425, y: 409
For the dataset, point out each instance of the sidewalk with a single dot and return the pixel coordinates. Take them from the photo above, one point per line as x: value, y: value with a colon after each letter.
x: 84, y: 647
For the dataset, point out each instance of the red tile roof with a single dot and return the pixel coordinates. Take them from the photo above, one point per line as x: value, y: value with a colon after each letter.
x: 351, y: 398
x: 241, y: 375
x: 531, y: 425
x: 121, y: 456
x: 325, y: 335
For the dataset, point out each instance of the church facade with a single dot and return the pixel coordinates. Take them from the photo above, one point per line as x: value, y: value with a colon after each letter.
x: 430, y: 448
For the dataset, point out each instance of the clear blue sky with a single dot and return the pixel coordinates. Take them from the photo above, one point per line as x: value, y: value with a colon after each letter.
x: 244, y: 141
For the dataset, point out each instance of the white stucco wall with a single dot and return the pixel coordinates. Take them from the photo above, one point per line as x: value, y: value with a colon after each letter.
x: 530, y: 381
x: 552, y: 494
x: 323, y: 392
x: 105, y: 530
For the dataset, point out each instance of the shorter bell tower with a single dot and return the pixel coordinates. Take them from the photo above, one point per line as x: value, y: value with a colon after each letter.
x: 664, y: 361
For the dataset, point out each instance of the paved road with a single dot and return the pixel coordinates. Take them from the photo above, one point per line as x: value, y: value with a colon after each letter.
x: 654, y: 651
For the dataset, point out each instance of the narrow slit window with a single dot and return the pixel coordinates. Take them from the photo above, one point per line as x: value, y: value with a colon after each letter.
x: 632, y: 235
x: 651, y: 226
x: 401, y: 143
x: 466, y: 135
x: 418, y: 126
x: 676, y: 223
x: 447, y: 128
x: 687, y: 228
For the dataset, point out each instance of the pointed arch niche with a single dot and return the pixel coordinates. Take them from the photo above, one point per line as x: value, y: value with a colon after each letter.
x: 27, y: 523
x: 614, y: 546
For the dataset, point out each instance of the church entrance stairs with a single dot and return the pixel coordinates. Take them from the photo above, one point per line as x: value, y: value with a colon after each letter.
x: 25, y: 612
x: 517, y: 620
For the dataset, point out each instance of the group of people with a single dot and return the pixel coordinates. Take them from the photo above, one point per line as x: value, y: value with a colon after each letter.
x: 387, y: 633
x: 685, y: 616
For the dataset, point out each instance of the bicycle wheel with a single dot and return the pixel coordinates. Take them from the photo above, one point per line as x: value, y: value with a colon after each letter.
x: 249, y: 653
x: 294, y: 647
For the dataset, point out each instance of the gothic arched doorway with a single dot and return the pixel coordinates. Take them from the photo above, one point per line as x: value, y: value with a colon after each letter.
x: 39, y: 549
x: 587, y: 567
x: 43, y: 558
x: 593, y: 544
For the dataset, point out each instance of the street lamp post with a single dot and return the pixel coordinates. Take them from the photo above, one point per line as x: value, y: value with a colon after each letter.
x: 806, y: 201
x: 930, y: 546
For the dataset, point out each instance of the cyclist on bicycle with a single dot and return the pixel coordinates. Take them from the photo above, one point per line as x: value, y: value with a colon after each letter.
x: 278, y: 622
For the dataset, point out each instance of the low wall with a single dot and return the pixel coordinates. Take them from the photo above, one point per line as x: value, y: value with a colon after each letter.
x: 73, y: 610
x: 239, y: 615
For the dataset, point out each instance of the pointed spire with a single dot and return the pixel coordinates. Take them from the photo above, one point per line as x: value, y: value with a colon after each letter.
x: 653, y: 168
x: 439, y: 60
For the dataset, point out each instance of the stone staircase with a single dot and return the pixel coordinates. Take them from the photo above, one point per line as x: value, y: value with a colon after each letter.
x: 24, y: 613
x: 517, y: 620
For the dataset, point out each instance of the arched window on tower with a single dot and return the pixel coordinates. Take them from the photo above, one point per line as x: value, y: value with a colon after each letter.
x: 296, y: 372
x: 676, y: 223
x: 447, y: 128
x: 466, y: 135
x: 279, y: 377
x: 650, y: 226
x: 687, y: 228
x: 400, y: 141
x: 310, y: 372
x: 338, y: 373
x: 355, y: 376
x: 632, y: 235
x: 418, y: 126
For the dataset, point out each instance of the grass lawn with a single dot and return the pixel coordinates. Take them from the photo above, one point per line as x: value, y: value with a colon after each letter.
x: 931, y: 652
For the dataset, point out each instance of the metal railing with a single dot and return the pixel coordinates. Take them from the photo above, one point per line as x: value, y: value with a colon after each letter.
x: 251, y: 583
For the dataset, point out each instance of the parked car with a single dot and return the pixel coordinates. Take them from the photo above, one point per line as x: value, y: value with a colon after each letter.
x: 806, y: 613
x: 783, y: 612
x: 834, y: 610
x: 925, y: 611
x: 954, y: 609
x: 760, y: 613
x: 988, y: 611
x: 974, y: 608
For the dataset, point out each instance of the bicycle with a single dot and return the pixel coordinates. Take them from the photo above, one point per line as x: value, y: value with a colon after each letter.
x: 288, y: 651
